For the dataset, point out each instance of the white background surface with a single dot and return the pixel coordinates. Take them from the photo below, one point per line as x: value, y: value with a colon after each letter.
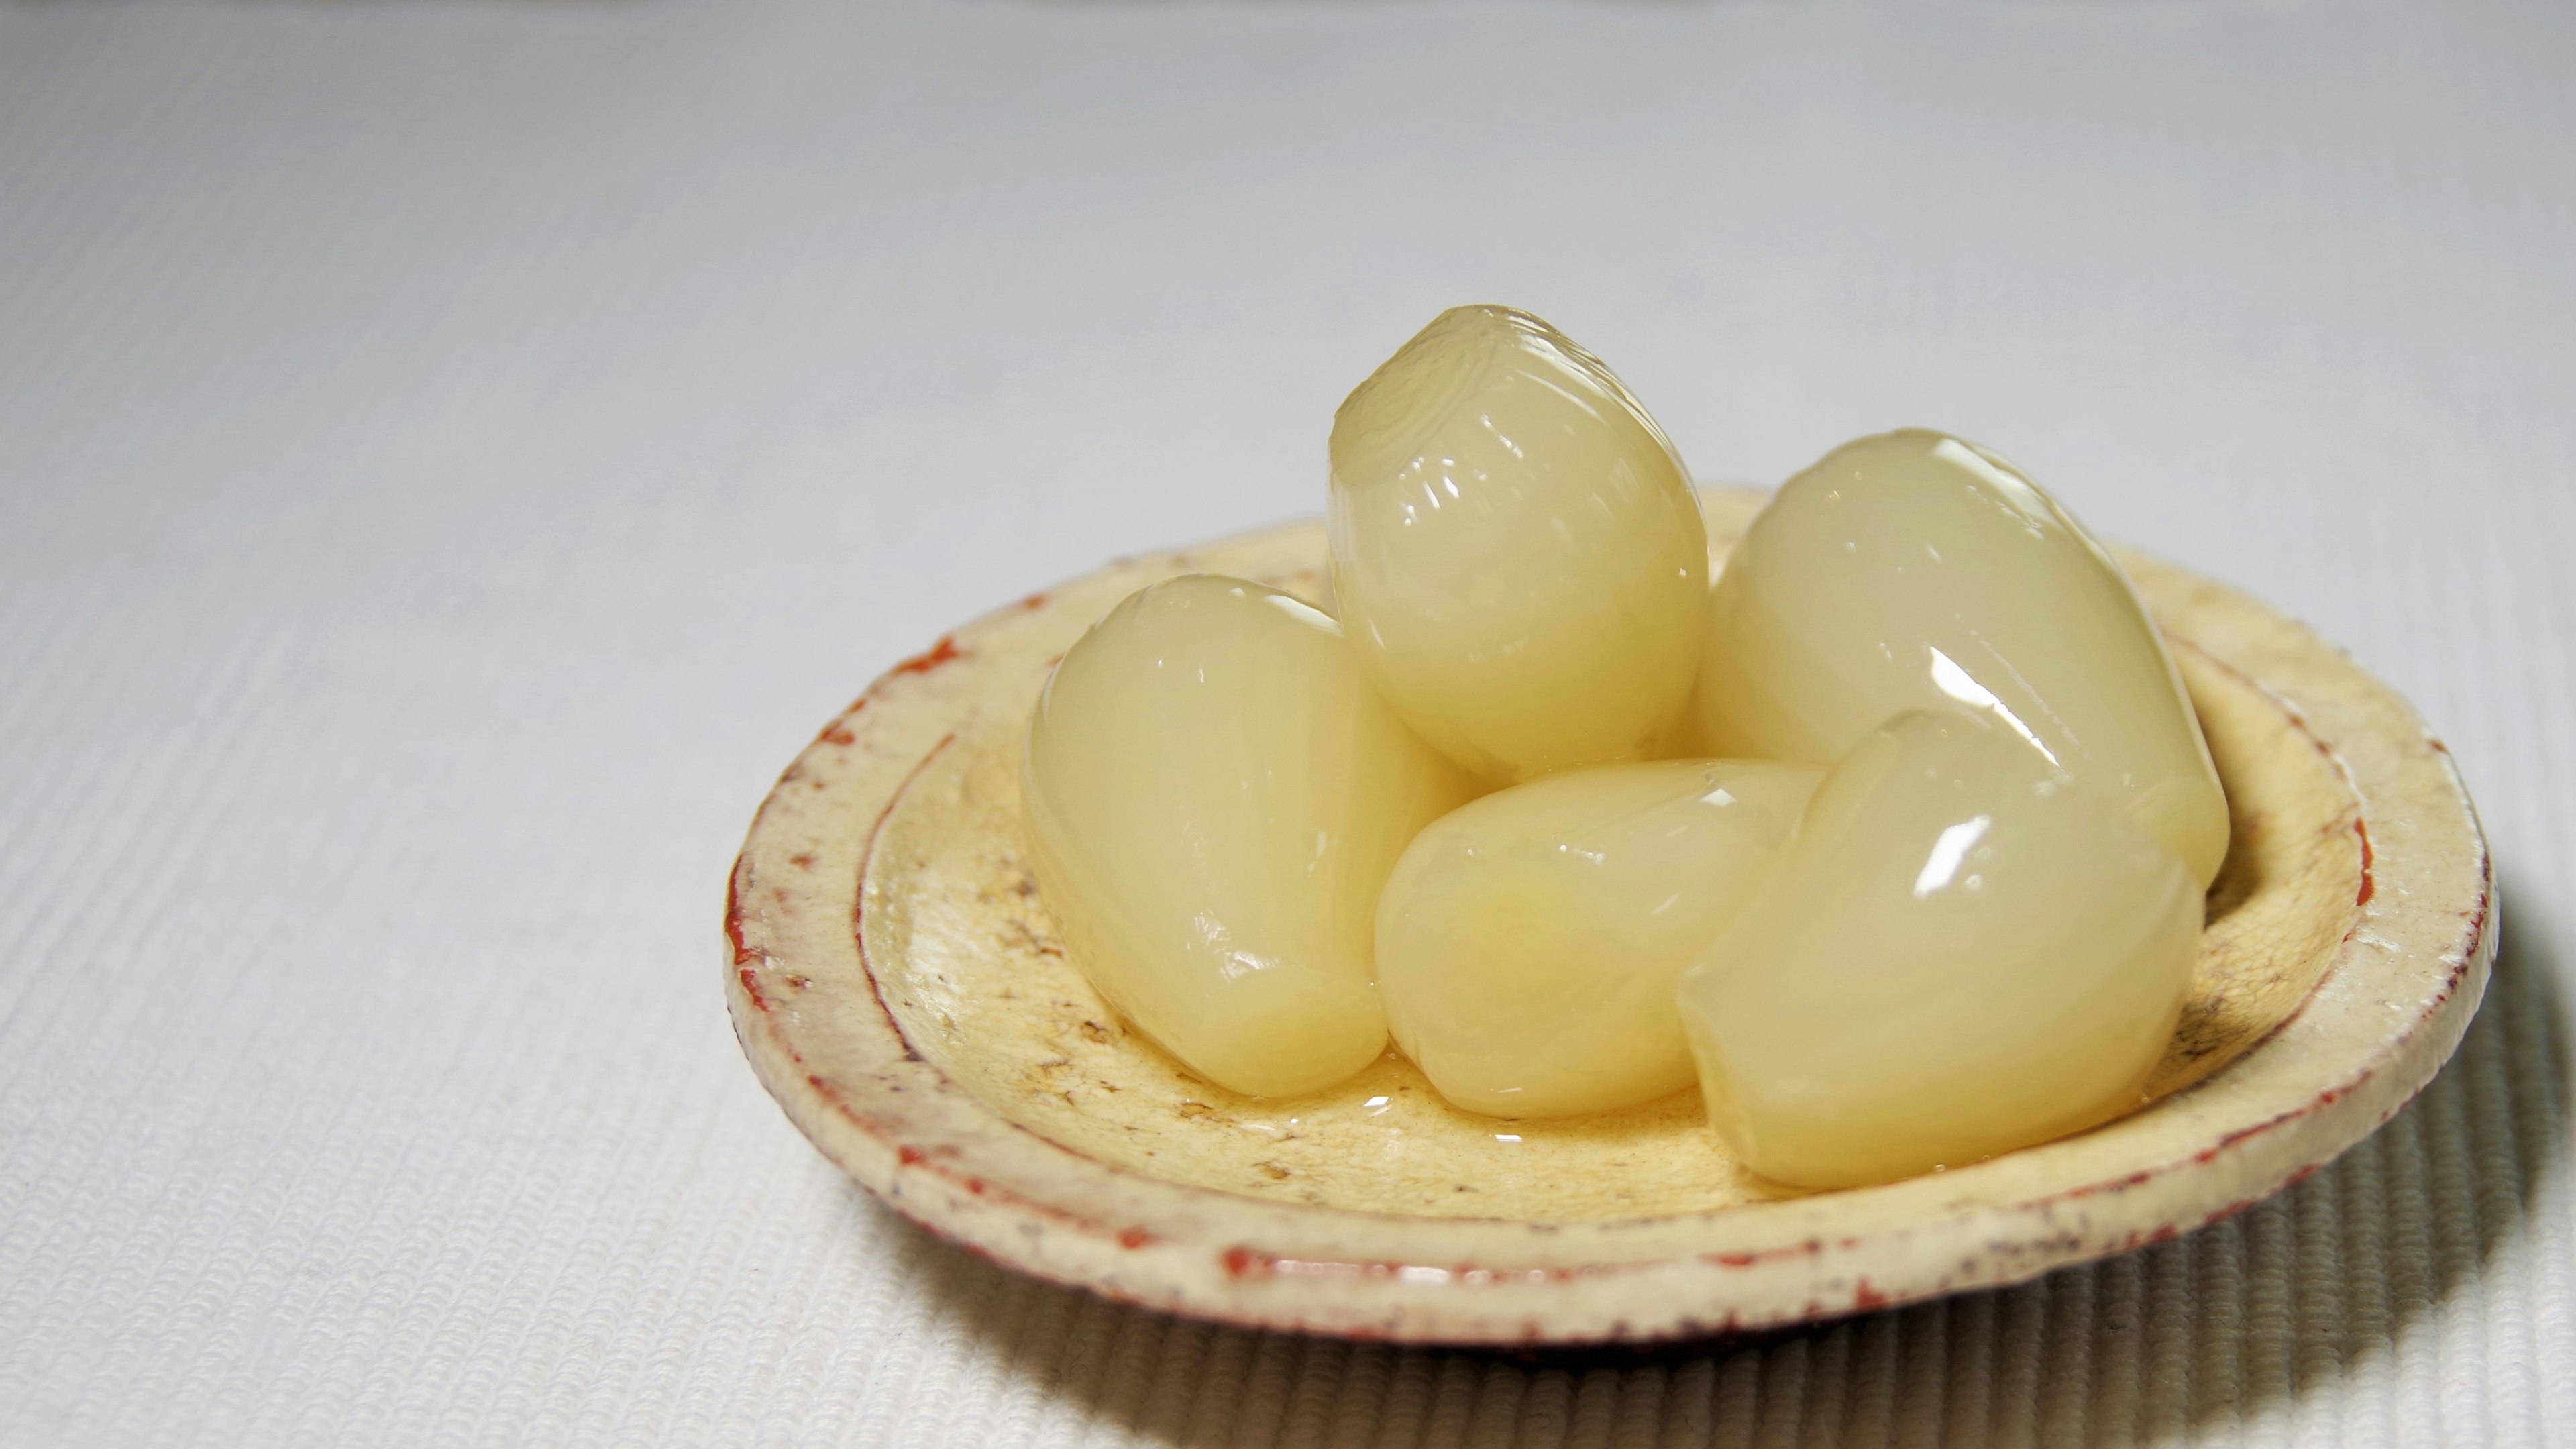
x: 452, y: 455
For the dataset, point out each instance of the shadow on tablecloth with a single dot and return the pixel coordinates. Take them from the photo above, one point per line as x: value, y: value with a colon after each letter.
x: 2287, y: 1315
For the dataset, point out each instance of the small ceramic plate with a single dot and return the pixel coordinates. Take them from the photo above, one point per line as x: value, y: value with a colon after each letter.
x: 900, y: 988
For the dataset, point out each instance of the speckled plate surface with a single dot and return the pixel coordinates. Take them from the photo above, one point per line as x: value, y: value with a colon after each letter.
x: 899, y: 987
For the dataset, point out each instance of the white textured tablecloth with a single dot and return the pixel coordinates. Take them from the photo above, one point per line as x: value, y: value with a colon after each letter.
x: 452, y: 455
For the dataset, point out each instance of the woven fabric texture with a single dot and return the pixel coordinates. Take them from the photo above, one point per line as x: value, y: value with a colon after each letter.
x: 453, y: 454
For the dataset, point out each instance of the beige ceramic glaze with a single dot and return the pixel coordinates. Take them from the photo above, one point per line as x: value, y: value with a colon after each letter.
x: 900, y: 988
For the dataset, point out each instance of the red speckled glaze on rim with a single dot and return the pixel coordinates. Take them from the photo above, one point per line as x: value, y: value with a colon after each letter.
x: 2403, y: 984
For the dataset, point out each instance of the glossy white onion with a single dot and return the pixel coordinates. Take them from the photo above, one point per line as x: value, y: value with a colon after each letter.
x: 1215, y: 796
x: 1913, y: 570
x: 1517, y: 552
x: 1960, y: 952
x: 1527, y: 944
